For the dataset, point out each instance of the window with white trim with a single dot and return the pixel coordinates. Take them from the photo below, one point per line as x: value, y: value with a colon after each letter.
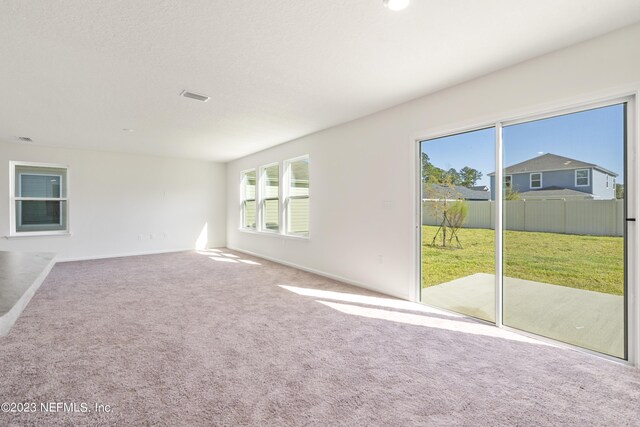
x: 39, y: 199
x: 248, y: 202
x: 270, y: 197
x: 297, y: 196
x: 582, y: 177
x: 535, y: 180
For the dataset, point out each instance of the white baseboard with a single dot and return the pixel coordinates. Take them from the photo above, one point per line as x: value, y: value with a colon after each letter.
x: 121, y: 255
x: 279, y: 261
x: 324, y: 274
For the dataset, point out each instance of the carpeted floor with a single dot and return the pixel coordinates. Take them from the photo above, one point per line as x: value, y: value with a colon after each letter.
x: 220, y: 338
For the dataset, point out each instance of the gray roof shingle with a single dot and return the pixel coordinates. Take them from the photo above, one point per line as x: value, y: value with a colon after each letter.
x: 554, y: 192
x: 454, y: 193
x: 551, y: 162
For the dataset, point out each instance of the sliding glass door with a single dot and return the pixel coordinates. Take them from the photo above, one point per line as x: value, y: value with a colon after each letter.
x: 564, y: 227
x: 458, y: 232
x: 561, y: 197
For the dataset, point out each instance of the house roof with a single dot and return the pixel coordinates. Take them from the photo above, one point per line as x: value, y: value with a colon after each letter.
x: 555, y: 192
x: 456, y: 192
x: 551, y: 162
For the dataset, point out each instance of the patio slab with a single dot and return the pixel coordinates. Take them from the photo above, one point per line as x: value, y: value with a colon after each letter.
x: 584, y: 318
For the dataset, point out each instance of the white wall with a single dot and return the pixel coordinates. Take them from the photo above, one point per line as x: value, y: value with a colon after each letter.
x: 118, y: 201
x: 362, y: 172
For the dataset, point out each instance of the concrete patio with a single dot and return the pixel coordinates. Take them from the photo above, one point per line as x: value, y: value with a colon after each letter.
x: 587, y: 319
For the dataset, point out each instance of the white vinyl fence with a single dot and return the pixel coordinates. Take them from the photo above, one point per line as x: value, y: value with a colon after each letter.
x: 590, y: 217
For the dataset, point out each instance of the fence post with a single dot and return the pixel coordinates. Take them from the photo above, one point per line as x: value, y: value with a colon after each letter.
x: 614, y: 227
x: 564, y: 215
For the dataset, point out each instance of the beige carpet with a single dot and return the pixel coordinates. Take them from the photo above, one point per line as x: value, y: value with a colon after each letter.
x: 225, y: 339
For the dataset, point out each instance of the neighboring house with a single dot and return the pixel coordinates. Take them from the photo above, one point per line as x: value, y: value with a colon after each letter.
x: 555, y: 177
x: 437, y: 191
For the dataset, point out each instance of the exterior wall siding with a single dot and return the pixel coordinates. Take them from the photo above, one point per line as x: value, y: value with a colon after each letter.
x: 492, y: 186
x: 563, y: 179
x: 599, y: 185
x: 299, y: 221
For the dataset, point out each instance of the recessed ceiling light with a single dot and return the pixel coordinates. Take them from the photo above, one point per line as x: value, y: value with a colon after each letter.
x: 24, y: 139
x: 396, y: 4
x: 128, y: 130
x: 197, y: 97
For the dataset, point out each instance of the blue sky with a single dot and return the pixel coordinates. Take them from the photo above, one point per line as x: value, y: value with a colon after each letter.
x: 594, y: 136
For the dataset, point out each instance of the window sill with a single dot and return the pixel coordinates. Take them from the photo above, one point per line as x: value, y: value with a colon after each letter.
x: 42, y: 234
x: 295, y: 236
x: 248, y: 230
x: 274, y: 234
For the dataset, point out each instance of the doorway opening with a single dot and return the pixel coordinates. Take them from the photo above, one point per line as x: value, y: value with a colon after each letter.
x: 524, y: 224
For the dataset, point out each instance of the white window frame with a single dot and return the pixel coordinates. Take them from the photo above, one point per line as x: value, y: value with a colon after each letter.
x: 14, y: 198
x: 576, y: 178
x: 20, y: 175
x: 631, y: 181
x: 510, y: 186
x: 531, y: 180
x: 263, y: 199
x: 244, y: 200
x: 287, y: 198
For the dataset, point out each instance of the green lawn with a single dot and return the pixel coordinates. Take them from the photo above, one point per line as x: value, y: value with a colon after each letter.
x: 586, y: 262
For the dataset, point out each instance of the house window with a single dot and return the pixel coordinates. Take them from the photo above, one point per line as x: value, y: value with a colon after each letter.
x: 607, y: 181
x: 507, y: 182
x: 248, y: 194
x: 270, y: 189
x: 582, y: 177
x: 297, y: 196
x: 39, y: 199
x: 535, y: 180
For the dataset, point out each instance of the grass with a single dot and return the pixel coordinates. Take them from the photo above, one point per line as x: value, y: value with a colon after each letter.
x: 593, y: 263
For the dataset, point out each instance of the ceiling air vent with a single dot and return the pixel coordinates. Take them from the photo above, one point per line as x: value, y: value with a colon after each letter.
x: 195, y: 96
x: 24, y: 139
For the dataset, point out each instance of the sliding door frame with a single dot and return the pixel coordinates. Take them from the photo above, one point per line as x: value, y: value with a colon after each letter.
x: 631, y: 209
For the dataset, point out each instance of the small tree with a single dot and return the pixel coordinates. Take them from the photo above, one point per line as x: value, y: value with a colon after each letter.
x: 457, y: 215
x: 511, y: 194
x: 448, y: 206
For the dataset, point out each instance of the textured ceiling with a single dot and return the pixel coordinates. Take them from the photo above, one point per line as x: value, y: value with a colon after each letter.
x: 74, y: 73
